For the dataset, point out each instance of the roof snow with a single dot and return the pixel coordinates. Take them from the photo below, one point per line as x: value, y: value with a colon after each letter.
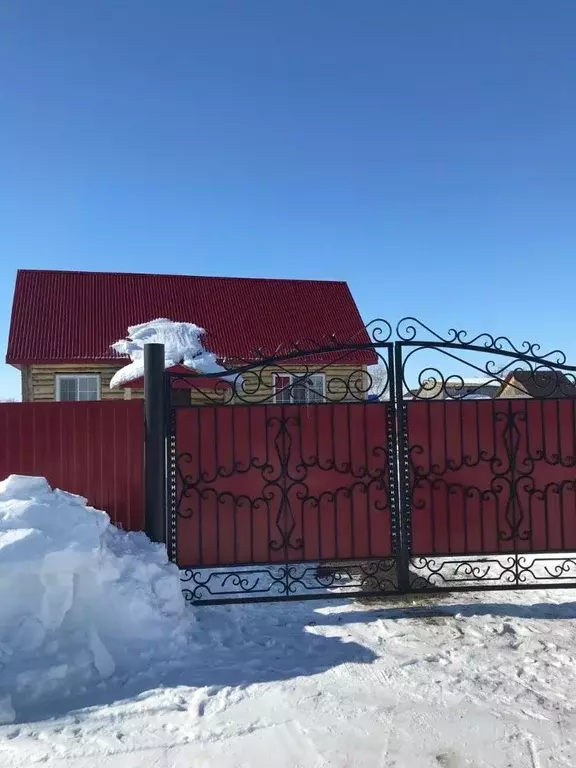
x: 182, y: 346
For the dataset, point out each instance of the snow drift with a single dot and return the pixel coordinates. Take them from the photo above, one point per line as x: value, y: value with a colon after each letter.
x: 182, y: 346
x: 81, y: 599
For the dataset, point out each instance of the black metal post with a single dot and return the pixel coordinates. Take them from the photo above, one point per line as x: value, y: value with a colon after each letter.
x: 402, y: 477
x: 155, y: 442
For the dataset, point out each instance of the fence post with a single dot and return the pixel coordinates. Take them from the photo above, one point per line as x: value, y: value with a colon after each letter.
x: 155, y: 442
x: 402, y: 476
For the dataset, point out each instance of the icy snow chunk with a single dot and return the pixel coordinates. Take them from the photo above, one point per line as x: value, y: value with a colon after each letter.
x: 81, y: 599
x: 27, y: 506
x: 182, y: 346
x: 57, y: 598
x: 14, y: 542
x: 169, y: 592
x: 23, y: 487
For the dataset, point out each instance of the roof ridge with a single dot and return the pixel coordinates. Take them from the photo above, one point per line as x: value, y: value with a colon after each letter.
x: 175, y: 275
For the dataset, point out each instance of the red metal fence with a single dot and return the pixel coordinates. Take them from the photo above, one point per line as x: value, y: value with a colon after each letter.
x: 94, y: 449
x: 304, y: 483
x: 297, y: 483
x: 493, y: 476
x: 274, y: 483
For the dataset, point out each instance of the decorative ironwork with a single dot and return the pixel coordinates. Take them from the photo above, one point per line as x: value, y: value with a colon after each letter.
x: 285, y: 380
x: 267, y: 486
x: 285, y: 521
x: 523, y: 369
x: 409, y: 328
x: 369, y: 369
x: 484, y: 573
x: 500, y: 476
x: 472, y: 473
x: 283, y: 478
x: 296, y: 581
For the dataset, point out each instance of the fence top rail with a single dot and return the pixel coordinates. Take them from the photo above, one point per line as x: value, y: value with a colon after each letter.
x: 301, y: 360
x: 382, y: 335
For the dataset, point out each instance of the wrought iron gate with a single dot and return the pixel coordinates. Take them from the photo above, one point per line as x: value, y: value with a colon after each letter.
x: 286, y: 484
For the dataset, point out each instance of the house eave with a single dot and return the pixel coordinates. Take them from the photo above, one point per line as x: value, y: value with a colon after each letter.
x: 69, y: 361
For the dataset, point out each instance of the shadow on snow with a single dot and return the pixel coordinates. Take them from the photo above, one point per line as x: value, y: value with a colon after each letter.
x: 240, y: 645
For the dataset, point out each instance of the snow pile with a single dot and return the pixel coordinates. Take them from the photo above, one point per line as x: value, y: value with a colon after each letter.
x: 182, y: 346
x: 81, y: 600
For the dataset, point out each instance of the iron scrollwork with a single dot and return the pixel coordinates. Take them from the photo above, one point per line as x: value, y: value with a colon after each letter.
x: 507, y: 457
x: 509, y: 365
x: 474, y: 463
x: 294, y: 580
x: 495, y: 572
x: 281, y: 471
x: 512, y: 490
x: 283, y: 477
x: 410, y: 328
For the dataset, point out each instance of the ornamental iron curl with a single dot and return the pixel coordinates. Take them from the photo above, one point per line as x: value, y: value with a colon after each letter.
x: 282, y: 496
x: 473, y: 483
x: 296, y: 580
x: 252, y: 380
x: 409, y: 329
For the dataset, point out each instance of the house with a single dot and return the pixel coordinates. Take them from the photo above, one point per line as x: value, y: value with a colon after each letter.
x: 456, y: 388
x: 517, y: 384
x: 537, y: 384
x: 63, y: 324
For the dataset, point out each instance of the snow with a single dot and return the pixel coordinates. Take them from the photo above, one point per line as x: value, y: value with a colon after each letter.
x: 182, y: 346
x: 81, y: 600
x: 471, y: 381
x: 482, y: 680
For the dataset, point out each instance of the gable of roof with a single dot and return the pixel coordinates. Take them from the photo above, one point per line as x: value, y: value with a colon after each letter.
x: 547, y: 384
x: 62, y: 316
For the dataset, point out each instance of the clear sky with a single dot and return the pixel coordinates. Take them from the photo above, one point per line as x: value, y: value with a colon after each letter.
x: 424, y: 151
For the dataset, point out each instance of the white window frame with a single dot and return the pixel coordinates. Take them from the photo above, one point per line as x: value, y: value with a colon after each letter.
x: 61, y: 376
x: 294, y: 379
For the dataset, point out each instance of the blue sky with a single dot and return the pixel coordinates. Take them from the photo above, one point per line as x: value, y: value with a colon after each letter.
x: 423, y: 151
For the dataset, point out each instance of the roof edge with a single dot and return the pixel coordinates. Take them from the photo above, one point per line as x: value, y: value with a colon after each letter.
x: 176, y: 275
x: 67, y: 361
x: 122, y: 360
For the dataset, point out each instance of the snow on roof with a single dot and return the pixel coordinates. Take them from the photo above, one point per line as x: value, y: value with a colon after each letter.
x: 473, y: 381
x: 182, y: 346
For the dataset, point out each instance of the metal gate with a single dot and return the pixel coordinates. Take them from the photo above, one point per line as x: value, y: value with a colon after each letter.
x: 306, y: 475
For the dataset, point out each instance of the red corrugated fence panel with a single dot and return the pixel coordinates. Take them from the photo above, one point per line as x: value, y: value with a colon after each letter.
x: 276, y: 483
x: 93, y: 449
x: 493, y: 476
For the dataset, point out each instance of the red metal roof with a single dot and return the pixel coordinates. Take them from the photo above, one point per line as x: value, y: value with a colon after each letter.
x: 75, y: 316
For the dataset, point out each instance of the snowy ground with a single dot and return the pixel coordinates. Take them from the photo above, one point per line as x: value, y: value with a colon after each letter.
x: 441, y: 682
x: 102, y: 666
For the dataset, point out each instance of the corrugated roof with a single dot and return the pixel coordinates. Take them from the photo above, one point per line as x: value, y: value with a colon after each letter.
x: 538, y: 384
x: 62, y: 316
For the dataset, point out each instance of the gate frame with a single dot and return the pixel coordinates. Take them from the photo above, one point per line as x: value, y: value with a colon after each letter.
x: 412, y: 336
x: 341, y: 569
x: 398, y: 343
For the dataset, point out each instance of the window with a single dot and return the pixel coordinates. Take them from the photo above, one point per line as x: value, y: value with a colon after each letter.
x: 72, y: 388
x: 294, y: 389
